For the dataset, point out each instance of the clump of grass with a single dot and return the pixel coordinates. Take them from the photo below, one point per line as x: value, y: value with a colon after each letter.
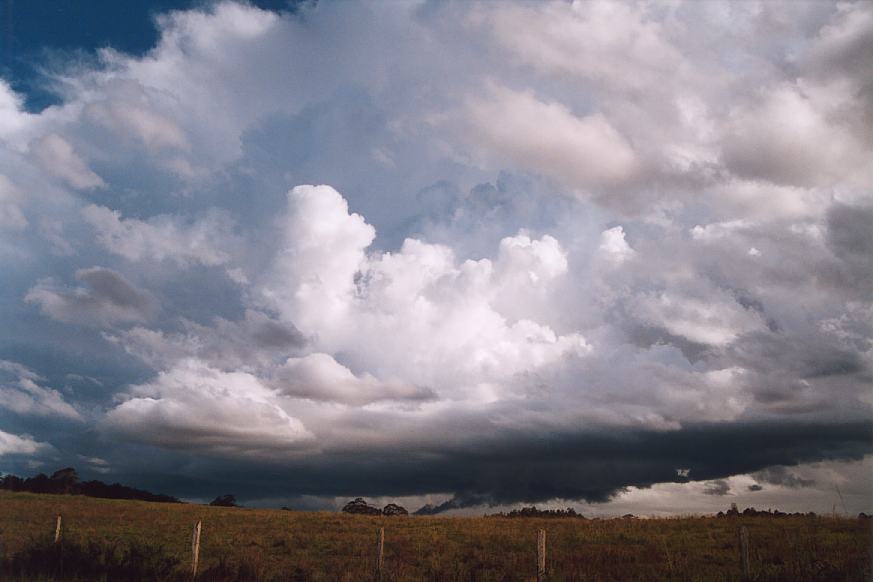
x: 69, y: 561
x: 43, y: 559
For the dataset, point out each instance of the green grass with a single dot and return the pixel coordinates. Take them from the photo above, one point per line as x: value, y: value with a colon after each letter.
x: 260, y: 544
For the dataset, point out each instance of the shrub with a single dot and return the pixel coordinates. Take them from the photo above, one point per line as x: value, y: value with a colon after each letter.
x: 224, y: 501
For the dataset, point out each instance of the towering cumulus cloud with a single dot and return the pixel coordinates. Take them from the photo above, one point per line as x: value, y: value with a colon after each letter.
x: 465, y: 253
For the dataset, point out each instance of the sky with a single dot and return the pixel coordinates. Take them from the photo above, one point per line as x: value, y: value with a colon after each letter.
x: 608, y: 255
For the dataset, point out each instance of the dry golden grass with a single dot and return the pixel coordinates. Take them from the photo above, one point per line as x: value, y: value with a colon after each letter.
x: 277, y: 544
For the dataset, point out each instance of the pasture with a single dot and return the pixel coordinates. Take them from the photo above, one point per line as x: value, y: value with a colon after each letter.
x: 266, y: 544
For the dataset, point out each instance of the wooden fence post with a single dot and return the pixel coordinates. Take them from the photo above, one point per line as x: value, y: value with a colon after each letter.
x: 195, y: 549
x: 58, y: 529
x: 380, y: 552
x: 744, y: 552
x: 541, y: 555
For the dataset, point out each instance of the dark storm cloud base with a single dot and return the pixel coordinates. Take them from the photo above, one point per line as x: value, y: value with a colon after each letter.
x: 588, y: 466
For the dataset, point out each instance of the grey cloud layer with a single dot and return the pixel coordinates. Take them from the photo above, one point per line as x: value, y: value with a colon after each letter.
x: 506, y: 252
x: 107, y: 298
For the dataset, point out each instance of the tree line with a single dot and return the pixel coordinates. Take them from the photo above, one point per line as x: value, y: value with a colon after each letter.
x: 66, y: 482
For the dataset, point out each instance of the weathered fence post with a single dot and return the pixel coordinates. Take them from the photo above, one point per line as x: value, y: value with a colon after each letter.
x: 195, y: 549
x: 58, y: 529
x: 744, y: 552
x: 541, y: 555
x: 380, y: 553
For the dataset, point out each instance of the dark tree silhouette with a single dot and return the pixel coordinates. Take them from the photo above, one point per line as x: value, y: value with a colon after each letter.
x: 227, y: 500
x: 66, y: 482
x: 361, y: 507
x: 394, y: 509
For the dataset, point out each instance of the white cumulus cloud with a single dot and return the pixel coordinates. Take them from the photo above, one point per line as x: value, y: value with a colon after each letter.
x: 163, y: 237
x: 13, y: 444
x: 57, y: 157
x: 22, y: 392
x: 193, y: 406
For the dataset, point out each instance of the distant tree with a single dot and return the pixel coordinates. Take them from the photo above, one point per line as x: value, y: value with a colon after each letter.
x: 361, y: 507
x: 12, y: 483
x: 64, y: 480
x: 393, y: 509
x: 224, y: 501
x: 534, y: 512
x: 752, y: 512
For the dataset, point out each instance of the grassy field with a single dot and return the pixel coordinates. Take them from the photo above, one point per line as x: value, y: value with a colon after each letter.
x: 272, y: 544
